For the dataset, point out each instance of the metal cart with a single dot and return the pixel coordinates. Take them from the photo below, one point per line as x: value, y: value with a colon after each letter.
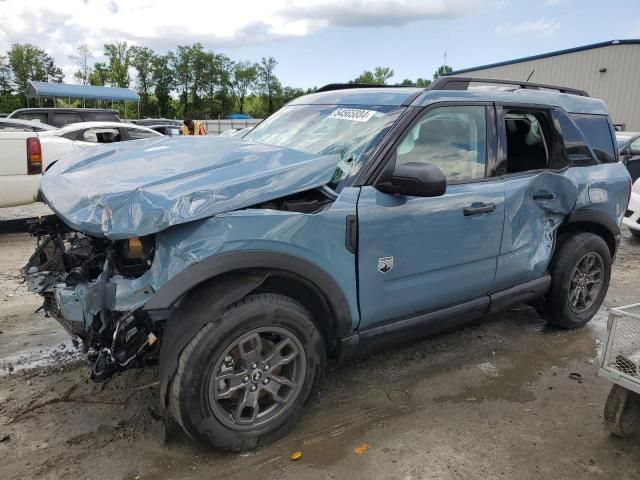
x: 621, y: 365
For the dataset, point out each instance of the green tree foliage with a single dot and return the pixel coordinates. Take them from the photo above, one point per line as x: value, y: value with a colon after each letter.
x: 379, y: 76
x: 99, y: 75
x: 142, y: 60
x: 28, y: 62
x: 442, y: 70
x: 164, y: 80
x: 119, y: 59
x: 268, y: 85
x: 245, y: 76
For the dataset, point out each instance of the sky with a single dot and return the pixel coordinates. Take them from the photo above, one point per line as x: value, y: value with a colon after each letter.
x: 319, y: 42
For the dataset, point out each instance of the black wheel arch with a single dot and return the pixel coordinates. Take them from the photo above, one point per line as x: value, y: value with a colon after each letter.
x: 591, y: 221
x: 227, y: 278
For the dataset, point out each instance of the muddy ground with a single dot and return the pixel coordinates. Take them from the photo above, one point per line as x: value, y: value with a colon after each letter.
x: 493, y: 400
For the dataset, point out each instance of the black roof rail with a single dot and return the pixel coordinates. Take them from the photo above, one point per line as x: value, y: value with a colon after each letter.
x: 462, y: 83
x: 343, y: 86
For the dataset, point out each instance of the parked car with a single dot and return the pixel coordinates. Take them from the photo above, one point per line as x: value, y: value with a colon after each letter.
x: 629, y: 148
x: 348, y: 220
x: 28, y: 148
x: 20, y: 161
x: 59, y: 117
x: 235, y: 132
x: 632, y: 214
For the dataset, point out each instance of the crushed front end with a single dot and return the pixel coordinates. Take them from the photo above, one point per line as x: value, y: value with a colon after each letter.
x: 77, y: 275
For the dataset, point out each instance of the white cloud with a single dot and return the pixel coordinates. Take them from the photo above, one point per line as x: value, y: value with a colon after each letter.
x: 541, y: 28
x: 59, y: 27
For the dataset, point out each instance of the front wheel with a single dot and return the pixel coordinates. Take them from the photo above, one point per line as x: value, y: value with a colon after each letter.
x: 244, y: 378
x: 579, y: 280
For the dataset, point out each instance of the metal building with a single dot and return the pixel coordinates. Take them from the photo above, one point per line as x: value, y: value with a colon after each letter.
x: 607, y: 70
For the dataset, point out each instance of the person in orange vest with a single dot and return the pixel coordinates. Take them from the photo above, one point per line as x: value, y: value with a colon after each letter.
x: 191, y: 127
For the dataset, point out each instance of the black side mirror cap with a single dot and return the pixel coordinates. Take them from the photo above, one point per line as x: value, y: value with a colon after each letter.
x: 416, y: 179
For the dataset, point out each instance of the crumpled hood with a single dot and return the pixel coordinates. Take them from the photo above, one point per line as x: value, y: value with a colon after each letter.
x: 142, y: 187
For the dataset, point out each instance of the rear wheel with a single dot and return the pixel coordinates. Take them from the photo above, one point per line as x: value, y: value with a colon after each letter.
x: 579, y: 280
x: 244, y: 378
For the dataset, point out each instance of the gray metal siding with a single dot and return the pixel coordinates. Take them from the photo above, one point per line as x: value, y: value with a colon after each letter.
x: 619, y: 86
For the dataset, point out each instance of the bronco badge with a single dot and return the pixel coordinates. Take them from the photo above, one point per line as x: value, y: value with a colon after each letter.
x: 385, y: 264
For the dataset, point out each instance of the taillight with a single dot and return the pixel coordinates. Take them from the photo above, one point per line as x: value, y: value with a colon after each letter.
x: 34, y: 156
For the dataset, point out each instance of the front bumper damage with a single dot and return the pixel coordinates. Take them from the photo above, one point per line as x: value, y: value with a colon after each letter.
x: 78, y: 277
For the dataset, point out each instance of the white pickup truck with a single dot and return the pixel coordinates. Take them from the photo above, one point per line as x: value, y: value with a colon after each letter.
x: 20, y: 161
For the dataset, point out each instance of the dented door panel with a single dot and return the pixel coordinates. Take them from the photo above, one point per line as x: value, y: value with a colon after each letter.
x: 537, y: 204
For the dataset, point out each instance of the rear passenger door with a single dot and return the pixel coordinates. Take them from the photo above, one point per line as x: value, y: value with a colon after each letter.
x: 532, y: 162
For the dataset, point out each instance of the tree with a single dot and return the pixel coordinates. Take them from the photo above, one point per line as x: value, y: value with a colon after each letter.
x: 29, y: 62
x: 379, y: 76
x: 164, y: 80
x: 6, y: 84
x: 81, y: 59
x: 423, y: 82
x: 99, y: 74
x: 119, y: 57
x: 245, y: 76
x: 54, y: 73
x: 442, y: 70
x: 142, y: 59
x: 268, y: 84
x: 181, y: 63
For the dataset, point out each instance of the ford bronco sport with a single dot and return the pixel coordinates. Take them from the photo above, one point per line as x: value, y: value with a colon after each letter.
x: 350, y: 219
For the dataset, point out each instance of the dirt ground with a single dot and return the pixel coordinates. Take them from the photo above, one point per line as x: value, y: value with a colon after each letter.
x: 493, y: 400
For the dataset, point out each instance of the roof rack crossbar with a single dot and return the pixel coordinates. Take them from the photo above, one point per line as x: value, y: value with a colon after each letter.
x: 462, y: 83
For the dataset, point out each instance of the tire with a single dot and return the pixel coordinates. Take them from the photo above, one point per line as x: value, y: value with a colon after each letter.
x: 622, y: 412
x: 559, y: 310
x: 226, y: 348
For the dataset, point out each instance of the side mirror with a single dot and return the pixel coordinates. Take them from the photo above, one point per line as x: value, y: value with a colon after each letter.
x: 416, y: 179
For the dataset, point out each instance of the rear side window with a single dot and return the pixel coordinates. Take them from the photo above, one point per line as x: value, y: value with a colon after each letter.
x: 529, y: 141
x: 597, y: 132
x: 138, y: 134
x: 38, y: 116
x: 100, y: 117
x: 60, y: 119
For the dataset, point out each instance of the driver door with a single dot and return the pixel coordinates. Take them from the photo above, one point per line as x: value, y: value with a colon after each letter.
x: 418, y: 254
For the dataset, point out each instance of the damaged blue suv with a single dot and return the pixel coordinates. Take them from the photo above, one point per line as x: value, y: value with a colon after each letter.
x: 352, y: 218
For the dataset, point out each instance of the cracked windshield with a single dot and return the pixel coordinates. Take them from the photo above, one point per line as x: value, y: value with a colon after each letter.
x: 349, y: 132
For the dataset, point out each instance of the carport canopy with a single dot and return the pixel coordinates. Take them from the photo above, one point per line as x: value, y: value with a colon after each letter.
x: 62, y: 90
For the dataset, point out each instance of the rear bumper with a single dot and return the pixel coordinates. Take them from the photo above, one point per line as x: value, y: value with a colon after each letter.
x: 18, y: 189
x: 632, y: 216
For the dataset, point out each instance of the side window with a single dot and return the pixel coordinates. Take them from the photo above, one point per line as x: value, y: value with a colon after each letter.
x: 597, y: 132
x: 529, y: 141
x: 100, y: 135
x: 37, y: 116
x: 452, y: 138
x: 60, y: 119
x: 138, y: 134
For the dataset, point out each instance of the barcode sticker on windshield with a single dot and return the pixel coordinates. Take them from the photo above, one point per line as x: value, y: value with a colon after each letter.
x: 353, y: 114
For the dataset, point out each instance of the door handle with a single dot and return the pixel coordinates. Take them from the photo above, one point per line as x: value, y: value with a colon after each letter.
x: 544, y: 196
x: 477, y: 208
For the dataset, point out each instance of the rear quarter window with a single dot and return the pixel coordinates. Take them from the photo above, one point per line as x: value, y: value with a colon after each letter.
x: 597, y: 131
x: 100, y: 117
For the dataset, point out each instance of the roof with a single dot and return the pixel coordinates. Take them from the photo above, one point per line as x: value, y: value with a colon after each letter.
x: 51, y: 89
x: 391, y: 96
x: 27, y: 123
x: 547, y: 55
x: 570, y: 103
x: 83, y: 125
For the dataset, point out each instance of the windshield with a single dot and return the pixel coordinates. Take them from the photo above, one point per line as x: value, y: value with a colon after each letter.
x: 621, y: 140
x: 348, y: 131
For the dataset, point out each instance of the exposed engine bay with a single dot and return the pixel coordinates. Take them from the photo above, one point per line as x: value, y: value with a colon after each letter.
x: 74, y: 273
